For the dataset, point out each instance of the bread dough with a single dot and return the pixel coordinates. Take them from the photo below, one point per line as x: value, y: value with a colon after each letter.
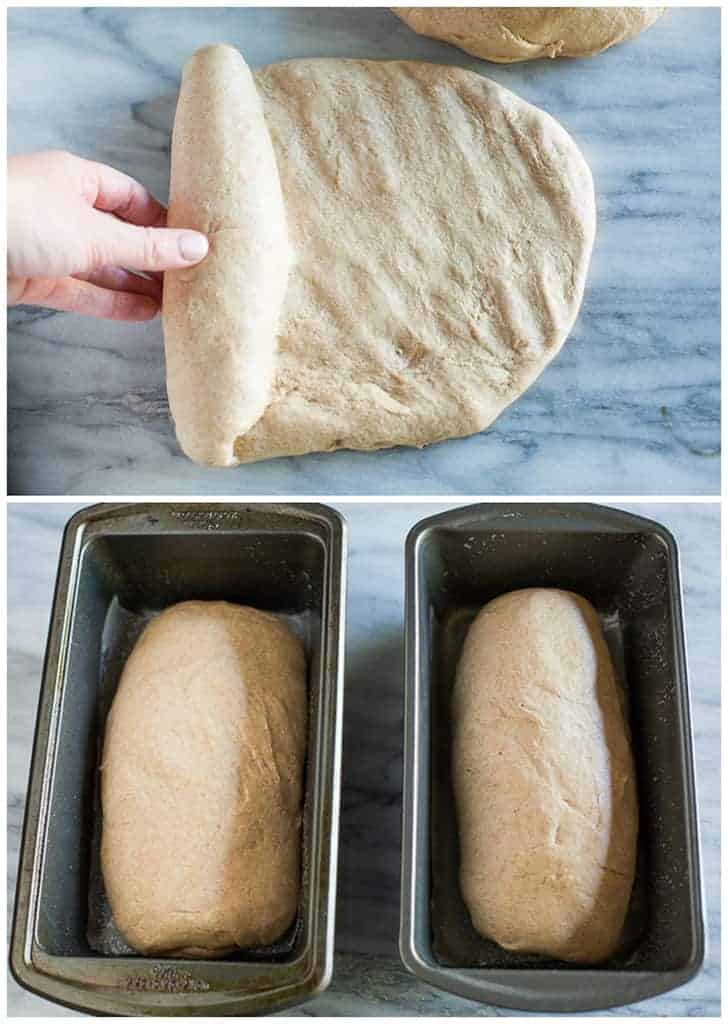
x: 202, y: 781
x: 508, y: 34
x: 442, y: 230
x: 544, y: 779
x: 221, y: 316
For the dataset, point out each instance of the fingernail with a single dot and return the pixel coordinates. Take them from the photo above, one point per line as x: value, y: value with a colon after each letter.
x: 192, y: 247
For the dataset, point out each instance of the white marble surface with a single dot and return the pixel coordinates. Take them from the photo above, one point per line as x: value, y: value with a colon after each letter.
x: 368, y: 977
x: 630, y: 406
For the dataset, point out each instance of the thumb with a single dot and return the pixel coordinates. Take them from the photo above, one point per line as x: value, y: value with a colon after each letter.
x: 114, y: 242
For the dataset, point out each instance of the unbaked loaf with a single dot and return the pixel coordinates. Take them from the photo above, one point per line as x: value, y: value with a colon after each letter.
x: 544, y: 779
x: 201, y: 782
x: 509, y: 34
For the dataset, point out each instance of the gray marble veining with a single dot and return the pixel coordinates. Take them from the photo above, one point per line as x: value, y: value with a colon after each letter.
x: 630, y: 406
x: 368, y: 977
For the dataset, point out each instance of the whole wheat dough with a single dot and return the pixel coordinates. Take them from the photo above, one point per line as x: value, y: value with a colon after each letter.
x: 544, y: 779
x: 441, y: 230
x: 221, y: 316
x: 202, y: 780
x: 508, y: 34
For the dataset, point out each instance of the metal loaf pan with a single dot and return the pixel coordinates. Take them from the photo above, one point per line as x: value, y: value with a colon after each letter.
x: 627, y: 567
x: 288, y: 559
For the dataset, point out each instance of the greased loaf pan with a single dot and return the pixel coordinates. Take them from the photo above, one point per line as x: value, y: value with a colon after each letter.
x: 627, y: 567
x: 118, y: 563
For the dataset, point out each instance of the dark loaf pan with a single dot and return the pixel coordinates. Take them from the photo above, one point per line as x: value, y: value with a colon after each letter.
x: 118, y: 563
x: 627, y: 567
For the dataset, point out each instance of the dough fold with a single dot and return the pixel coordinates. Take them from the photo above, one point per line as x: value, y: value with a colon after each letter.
x: 221, y: 316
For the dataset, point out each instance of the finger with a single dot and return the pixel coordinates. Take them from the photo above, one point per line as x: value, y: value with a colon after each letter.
x: 17, y: 287
x: 120, y: 280
x: 115, y: 192
x: 73, y: 296
x: 115, y: 243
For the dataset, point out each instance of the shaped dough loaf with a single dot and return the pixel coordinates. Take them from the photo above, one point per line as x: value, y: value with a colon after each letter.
x: 544, y: 781
x: 202, y: 780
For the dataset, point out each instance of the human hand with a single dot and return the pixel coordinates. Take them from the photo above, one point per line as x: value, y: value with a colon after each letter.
x: 75, y: 231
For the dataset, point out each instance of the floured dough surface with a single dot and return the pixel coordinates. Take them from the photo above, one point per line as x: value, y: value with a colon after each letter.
x: 442, y: 230
x: 508, y: 34
x: 544, y: 780
x: 202, y: 780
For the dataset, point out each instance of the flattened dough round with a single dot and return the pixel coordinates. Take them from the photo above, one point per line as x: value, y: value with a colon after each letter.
x: 202, y: 782
x: 442, y: 229
x: 509, y: 34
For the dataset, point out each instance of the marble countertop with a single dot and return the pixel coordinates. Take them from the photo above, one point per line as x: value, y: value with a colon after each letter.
x: 630, y: 406
x: 368, y: 976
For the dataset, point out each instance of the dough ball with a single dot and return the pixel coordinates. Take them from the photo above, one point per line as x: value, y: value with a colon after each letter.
x: 509, y: 34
